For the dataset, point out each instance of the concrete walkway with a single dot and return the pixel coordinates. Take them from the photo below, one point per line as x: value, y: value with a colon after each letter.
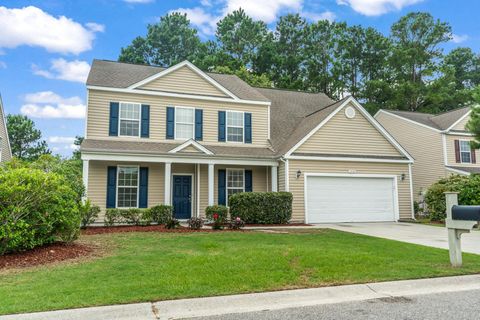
x: 205, y: 307
x: 426, y: 235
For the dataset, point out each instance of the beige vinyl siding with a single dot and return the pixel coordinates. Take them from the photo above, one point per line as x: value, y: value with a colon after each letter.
x: 99, y: 112
x: 308, y: 166
x: 184, y: 80
x: 5, y: 156
x: 281, y: 176
x: 423, y: 144
x: 190, y: 149
x: 450, y: 139
x: 97, y: 183
x: 461, y: 125
x: 341, y: 135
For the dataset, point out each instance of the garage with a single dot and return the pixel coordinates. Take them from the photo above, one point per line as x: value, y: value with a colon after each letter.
x: 350, y: 198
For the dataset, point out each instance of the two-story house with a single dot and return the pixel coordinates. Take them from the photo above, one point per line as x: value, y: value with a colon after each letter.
x: 440, y: 144
x: 5, y: 150
x: 189, y: 138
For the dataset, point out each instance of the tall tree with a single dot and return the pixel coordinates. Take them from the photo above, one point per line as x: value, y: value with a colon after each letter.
x: 25, y: 140
x: 168, y: 42
x: 466, y: 67
x: 416, y: 55
x: 473, y: 125
x: 239, y: 36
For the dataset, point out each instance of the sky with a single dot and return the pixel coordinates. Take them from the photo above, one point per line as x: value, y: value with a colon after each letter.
x: 47, y: 47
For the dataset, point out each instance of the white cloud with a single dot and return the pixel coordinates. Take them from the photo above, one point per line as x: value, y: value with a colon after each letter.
x: 459, y: 38
x: 48, y: 105
x: 265, y: 10
x: 32, y: 26
x: 59, y: 139
x: 376, y: 7
x: 327, y: 15
x: 76, y: 70
x: 95, y: 27
x: 138, y: 1
x: 206, y: 3
x: 205, y: 22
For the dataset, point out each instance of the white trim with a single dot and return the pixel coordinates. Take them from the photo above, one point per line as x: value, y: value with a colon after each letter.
x: 85, y: 168
x: 410, y: 180
x: 370, y: 119
x: 178, y: 95
x: 86, y: 115
x: 274, y: 178
x: 167, y: 175
x: 211, y: 184
x: 465, y: 134
x: 287, y: 176
x: 407, y: 120
x: 175, y: 123
x: 106, y: 156
x: 458, y: 171
x: 191, y: 67
x: 226, y: 182
x: 138, y: 185
x: 139, y: 119
x: 347, y: 159
x: 460, y: 150
x: 444, y: 147
x: 191, y: 142
x: 5, y: 125
x: 197, y: 194
x: 191, y: 188
x: 243, y: 127
x: 268, y: 125
x: 459, y: 120
x: 353, y: 175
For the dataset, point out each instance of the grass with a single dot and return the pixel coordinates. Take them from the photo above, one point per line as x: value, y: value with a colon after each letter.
x: 159, y: 266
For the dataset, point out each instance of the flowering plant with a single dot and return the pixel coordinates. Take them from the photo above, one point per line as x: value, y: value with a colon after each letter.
x: 217, y: 222
x: 236, y: 224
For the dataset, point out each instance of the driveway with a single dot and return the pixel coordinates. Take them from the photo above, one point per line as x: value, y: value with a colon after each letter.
x: 410, y: 232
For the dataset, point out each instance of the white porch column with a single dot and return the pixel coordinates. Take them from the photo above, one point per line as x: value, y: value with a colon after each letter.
x: 85, y: 177
x: 274, y: 179
x: 167, y: 183
x: 210, y: 184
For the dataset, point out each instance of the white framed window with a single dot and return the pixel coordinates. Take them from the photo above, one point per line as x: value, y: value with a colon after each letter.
x: 235, y: 126
x: 129, y: 119
x: 184, y: 123
x: 127, y: 186
x: 465, y: 151
x: 235, y: 181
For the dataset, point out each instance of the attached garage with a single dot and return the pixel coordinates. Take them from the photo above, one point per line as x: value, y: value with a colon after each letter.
x: 350, y: 198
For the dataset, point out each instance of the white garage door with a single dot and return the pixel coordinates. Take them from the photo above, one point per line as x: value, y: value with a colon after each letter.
x: 350, y: 199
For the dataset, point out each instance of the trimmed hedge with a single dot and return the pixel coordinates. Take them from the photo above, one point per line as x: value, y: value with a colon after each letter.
x: 160, y: 214
x: 261, y: 207
x: 222, y: 212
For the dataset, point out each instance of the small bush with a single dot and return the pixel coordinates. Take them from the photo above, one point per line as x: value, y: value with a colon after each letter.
x: 112, y: 217
x: 89, y: 213
x: 236, y: 224
x: 161, y: 214
x: 132, y: 216
x: 262, y: 207
x: 172, y: 224
x: 195, y: 223
x: 220, y: 210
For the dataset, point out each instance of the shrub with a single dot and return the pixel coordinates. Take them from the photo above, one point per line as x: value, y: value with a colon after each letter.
x: 89, y: 213
x: 195, y: 223
x: 262, y: 207
x: 220, y: 210
x: 172, y: 223
x: 236, y: 224
x: 468, y: 188
x: 112, y: 216
x: 161, y: 214
x: 37, y: 208
x: 132, y: 216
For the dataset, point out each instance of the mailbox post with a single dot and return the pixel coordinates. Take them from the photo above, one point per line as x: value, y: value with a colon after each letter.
x: 456, y: 228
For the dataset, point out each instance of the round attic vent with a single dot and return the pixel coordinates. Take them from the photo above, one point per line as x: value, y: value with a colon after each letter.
x: 350, y: 112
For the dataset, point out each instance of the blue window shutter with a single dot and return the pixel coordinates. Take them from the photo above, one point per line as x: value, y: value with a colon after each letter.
x: 248, y: 127
x: 221, y: 125
x: 143, y: 192
x: 113, y: 131
x: 248, y: 181
x: 198, y: 124
x: 145, y: 127
x: 222, y: 187
x: 111, y: 187
x: 170, y: 122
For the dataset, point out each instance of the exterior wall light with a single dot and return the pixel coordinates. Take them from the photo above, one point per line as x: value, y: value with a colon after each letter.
x: 299, y: 173
x: 402, y: 176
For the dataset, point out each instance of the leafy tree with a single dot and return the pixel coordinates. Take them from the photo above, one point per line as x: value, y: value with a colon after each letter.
x: 473, y: 125
x: 466, y: 67
x: 76, y: 153
x: 247, y: 76
x: 137, y: 52
x: 25, y: 140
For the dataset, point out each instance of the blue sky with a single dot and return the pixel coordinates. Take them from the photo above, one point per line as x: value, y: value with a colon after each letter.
x: 46, y: 47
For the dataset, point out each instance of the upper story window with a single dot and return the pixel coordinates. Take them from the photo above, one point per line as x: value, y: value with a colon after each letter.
x: 465, y: 151
x: 129, y: 119
x: 127, y: 187
x: 235, y: 126
x: 235, y: 181
x: 184, y: 123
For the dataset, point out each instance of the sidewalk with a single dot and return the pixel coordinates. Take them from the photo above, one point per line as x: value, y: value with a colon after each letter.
x: 187, y: 308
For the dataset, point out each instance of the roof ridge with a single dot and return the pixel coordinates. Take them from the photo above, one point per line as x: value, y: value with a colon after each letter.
x: 290, y: 90
x: 327, y: 106
x: 448, y: 111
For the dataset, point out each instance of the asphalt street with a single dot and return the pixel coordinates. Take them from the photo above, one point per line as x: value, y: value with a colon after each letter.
x: 462, y: 305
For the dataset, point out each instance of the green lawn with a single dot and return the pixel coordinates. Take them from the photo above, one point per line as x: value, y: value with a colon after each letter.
x: 156, y: 266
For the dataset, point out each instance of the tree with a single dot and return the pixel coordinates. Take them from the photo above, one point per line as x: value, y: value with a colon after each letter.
x: 473, y: 125
x: 168, y: 42
x: 466, y: 67
x: 76, y: 153
x: 247, y: 76
x: 25, y: 140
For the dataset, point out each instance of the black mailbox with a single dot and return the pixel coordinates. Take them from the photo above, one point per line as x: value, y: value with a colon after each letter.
x: 470, y: 213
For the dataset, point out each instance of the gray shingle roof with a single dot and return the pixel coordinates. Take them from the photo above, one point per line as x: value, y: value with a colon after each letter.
x: 440, y: 121
x: 122, y: 75
x: 466, y: 169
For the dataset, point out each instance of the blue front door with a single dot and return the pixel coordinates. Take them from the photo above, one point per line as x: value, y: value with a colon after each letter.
x: 182, y: 197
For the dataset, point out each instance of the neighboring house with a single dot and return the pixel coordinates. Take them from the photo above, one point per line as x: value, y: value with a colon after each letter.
x: 188, y: 138
x: 440, y: 144
x: 5, y: 150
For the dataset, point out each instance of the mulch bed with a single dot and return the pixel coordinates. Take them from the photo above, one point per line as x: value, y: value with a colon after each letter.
x: 154, y: 228
x: 47, y: 254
